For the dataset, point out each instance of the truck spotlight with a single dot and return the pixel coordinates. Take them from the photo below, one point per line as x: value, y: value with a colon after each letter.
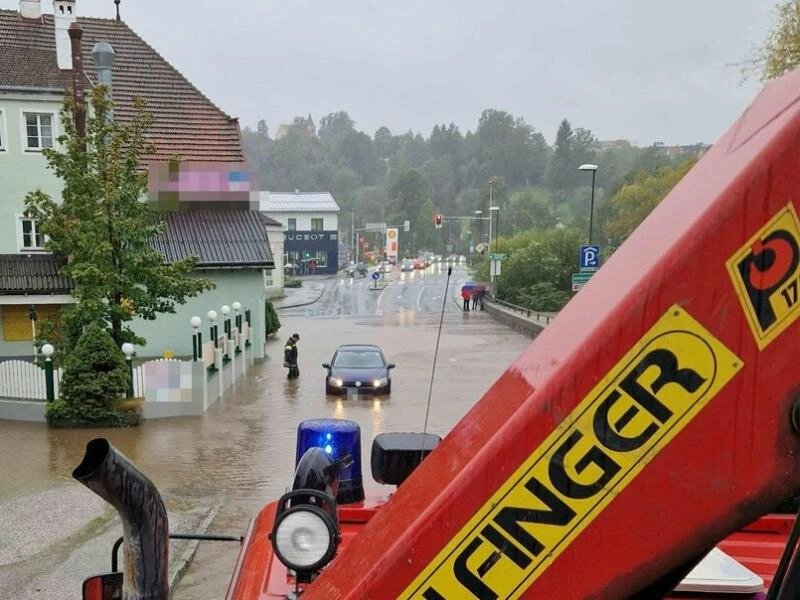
x: 305, y: 537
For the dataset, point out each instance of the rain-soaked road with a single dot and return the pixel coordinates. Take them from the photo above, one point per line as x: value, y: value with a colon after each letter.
x: 240, y: 454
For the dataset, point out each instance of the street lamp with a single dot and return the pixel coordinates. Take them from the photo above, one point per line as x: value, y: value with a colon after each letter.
x: 197, y: 338
x: 212, y: 316
x: 593, y: 169
x: 47, y: 352
x: 226, y: 310
x: 127, y: 350
x: 237, y: 306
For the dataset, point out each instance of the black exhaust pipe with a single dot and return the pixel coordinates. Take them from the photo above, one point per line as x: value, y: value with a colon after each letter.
x: 110, y: 475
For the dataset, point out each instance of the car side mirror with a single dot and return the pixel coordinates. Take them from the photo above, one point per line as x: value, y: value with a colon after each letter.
x: 103, y: 587
x: 391, y: 366
x: 326, y: 365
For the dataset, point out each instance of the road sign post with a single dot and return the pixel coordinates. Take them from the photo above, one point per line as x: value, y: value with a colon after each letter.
x: 375, y: 277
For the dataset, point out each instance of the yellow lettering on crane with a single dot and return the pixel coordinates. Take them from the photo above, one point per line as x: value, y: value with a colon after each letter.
x: 649, y: 396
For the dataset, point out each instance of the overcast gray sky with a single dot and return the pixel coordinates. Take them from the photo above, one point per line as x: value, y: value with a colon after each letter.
x: 636, y: 69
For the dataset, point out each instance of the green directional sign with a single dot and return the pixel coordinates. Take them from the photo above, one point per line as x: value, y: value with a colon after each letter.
x: 581, y: 277
x: 497, y: 256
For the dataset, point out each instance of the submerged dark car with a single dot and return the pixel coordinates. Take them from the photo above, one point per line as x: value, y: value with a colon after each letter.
x: 360, y: 367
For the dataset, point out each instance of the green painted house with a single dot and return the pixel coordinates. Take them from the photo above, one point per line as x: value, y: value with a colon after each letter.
x: 208, y: 195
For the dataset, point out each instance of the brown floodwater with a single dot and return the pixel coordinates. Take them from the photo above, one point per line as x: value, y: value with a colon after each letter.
x: 240, y: 454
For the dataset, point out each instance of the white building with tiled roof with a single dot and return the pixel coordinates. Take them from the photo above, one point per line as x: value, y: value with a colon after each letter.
x: 311, y: 222
x: 36, y: 67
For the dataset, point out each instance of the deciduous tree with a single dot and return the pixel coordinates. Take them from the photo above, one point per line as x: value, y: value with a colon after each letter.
x: 407, y: 194
x: 635, y: 200
x: 103, y: 225
x: 780, y: 52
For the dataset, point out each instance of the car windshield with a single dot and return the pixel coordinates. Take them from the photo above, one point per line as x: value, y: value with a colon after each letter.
x: 367, y: 359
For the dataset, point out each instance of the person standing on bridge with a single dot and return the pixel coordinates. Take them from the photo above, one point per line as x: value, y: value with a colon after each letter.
x: 465, y: 297
x: 290, y: 356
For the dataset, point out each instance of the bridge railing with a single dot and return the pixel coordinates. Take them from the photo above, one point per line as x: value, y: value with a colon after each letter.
x: 533, y: 314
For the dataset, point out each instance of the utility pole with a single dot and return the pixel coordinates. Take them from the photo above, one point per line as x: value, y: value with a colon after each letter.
x: 491, y: 204
x: 494, y: 263
x: 489, y: 241
x: 591, y: 208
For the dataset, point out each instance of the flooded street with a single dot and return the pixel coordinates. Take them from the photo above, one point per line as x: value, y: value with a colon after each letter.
x: 240, y: 454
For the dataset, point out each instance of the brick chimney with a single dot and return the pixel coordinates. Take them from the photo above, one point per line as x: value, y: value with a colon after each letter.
x: 64, y: 16
x: 30, y: 9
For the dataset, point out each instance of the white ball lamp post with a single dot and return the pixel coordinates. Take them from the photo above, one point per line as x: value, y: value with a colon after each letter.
x: 127, y: 350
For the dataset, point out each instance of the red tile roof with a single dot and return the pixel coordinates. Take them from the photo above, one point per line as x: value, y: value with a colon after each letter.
x: 185, y: 122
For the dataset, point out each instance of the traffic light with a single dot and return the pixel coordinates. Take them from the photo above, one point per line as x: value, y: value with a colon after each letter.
x: 437, y: 220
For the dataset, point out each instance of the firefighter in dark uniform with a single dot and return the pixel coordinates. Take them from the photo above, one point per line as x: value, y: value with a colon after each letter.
x: 290, y: 356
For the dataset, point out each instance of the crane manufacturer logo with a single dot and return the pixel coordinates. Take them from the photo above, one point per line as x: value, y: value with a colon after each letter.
x: 649, y: 396
x: 765, y: 273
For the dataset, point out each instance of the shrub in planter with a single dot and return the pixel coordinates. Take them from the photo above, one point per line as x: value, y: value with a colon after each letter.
x: 292, y: 283
x: 95, y: 379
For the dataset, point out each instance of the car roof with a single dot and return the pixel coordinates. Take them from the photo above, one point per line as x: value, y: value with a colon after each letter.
x: 358, y: 348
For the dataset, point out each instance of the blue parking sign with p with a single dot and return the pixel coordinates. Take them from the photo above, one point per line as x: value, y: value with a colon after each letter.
x: 590, y: 257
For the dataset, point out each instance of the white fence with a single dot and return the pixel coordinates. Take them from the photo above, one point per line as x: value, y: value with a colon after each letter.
x: 25, y: 380
x: 170, y: 387
x: 138, y: 381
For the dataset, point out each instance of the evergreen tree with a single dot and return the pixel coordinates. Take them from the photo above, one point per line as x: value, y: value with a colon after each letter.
x: 95, y: 379
x: 559, y: 171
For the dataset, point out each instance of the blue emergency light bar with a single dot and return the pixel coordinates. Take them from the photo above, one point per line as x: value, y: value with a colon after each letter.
x: 338, y: 438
